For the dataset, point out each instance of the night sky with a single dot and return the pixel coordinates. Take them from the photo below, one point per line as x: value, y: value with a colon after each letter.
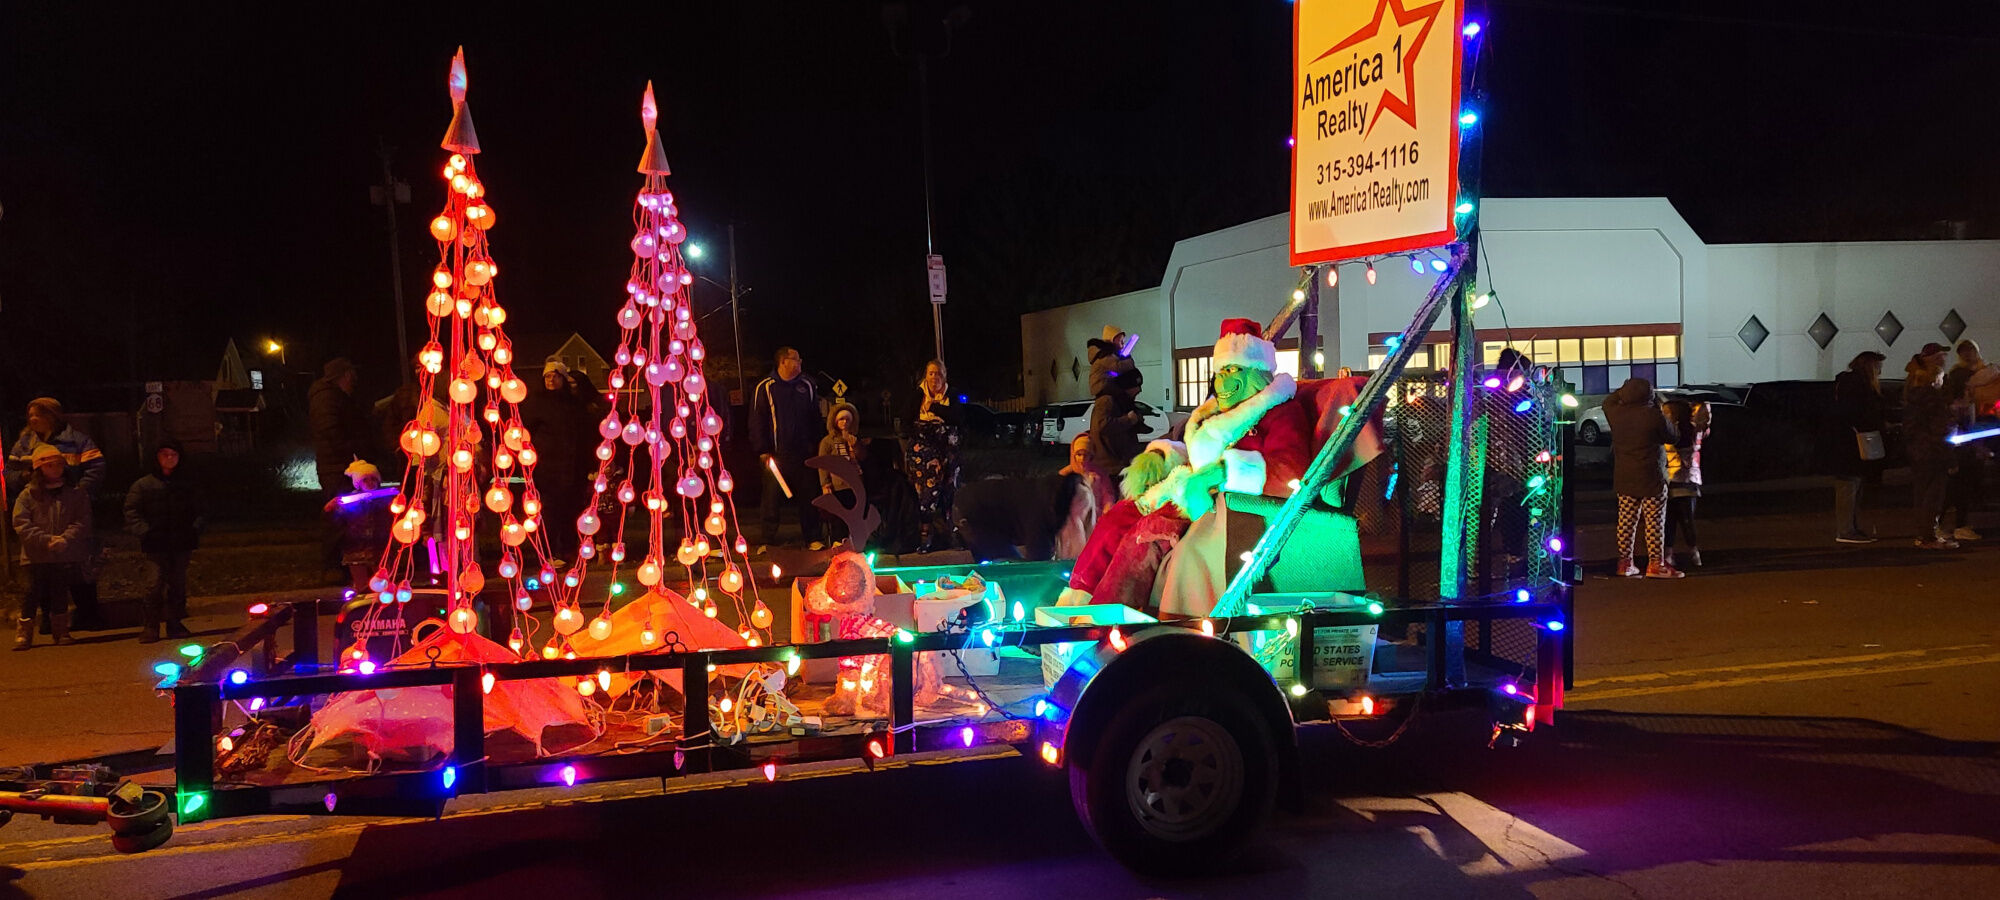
x: 173, y: 178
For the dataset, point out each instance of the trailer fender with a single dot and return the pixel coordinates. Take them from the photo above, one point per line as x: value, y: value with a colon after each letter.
x: 1101, y: 677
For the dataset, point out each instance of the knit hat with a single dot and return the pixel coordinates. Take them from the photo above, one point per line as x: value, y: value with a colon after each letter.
x: 554, y: 364
x: 1242, y: 344
x: 1111, y: 334
x: 43, y: 453
x: 48, y: 405
x: 361, y: 467
x: 336, y: 367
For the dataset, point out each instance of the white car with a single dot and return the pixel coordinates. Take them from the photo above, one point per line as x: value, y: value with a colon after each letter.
x: 1062, y: 422
x: 1593, y: 430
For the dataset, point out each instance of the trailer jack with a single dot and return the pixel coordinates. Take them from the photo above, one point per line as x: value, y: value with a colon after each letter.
x: 139, y: 818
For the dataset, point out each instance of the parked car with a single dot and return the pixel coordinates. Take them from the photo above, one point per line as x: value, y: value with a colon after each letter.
x: 1592, y: 429
x: 1062, y: 422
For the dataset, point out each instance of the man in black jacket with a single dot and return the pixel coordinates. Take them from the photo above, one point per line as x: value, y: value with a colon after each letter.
x: 785, y: 430
x: 341, y: 434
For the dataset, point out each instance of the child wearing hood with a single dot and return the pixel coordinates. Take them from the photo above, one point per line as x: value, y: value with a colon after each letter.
x: 842, y: 421
x: 1114, y: 411
x: 52, y: 519
x: 164, y: 510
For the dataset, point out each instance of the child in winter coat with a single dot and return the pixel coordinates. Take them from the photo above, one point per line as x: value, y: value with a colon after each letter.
x: 52, y: 519
x: 164, y: 509
x: 363, y: 519
x: 1691, y: 420
x: 841, y: 441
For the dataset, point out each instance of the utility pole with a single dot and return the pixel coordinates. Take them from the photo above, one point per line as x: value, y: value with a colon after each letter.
x: 386, y: 195
x: 930, y: 240
x: 735, y: 323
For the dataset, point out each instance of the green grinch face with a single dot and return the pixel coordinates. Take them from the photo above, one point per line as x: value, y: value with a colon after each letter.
x: 1235, y: 384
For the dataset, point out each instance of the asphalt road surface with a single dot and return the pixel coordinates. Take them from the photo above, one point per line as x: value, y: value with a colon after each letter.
x: 1797, y: 719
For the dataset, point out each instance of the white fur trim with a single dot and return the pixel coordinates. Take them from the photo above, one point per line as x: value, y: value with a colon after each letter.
x: 1243, y: 471
x: 1210, y: 432
x: 1246, y: 351
x: 1175, y: 451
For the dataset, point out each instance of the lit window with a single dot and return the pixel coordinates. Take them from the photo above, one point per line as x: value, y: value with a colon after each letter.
x: 1666, y: 346
x: 1375, y: 360
x: 1593, y: 350
x: 1642, y: 347
x: 1288, y: 362
x: 1569, y: 351
x: 1545, y: 352
x: 1489, y: 352
x: 1618, y: 349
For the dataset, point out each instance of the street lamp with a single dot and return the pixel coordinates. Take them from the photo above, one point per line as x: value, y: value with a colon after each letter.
x: 273, y: 348
x: 694, y: 251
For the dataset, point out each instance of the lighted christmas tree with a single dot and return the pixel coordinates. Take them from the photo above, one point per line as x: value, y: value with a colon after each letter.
x: 660, y: 455
x: 468, y: 451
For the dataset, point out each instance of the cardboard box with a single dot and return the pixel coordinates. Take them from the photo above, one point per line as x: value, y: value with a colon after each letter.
x: 894, y: 602
x: 932, y: 611
x: 1343, y: 655
x: 1056, y: 657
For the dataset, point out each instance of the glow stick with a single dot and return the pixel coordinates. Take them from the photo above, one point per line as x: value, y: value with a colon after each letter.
x: 772, y: 464
x: 1969, y: 436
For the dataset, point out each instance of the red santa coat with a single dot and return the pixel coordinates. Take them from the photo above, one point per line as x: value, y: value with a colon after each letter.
x: 1262, y: 446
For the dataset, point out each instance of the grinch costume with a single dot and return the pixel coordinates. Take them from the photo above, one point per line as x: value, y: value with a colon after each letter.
x: 1242, y: 440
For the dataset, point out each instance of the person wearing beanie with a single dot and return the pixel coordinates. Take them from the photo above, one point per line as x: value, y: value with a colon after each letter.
x: 362, y: 520
x: 1640, y: 432
x: 52, y: 519
x: 1248, y: 438
x: 164, y: 510
x: 85, y: 467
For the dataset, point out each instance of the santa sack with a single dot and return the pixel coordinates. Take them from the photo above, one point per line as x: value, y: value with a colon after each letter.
x: 412, y: 727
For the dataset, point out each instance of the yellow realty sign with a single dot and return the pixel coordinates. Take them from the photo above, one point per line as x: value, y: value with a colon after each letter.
x: 1375, y: 87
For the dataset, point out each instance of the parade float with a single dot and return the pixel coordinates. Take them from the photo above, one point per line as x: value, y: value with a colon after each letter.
x: 1350, y: 552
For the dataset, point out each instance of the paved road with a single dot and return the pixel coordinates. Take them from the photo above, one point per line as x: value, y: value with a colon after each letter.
x: 1796, y: 720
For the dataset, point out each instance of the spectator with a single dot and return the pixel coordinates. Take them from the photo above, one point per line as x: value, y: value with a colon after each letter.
x: 1691, y: 421
x: 164, y: 510
x: 1857, y: 398
x: 785, y: 426
x: 1091, y: 493
x: 934, y: 459
x: 840, y: 440
x: 1966, y: 491
x: 52, y: 519
x: 84, y: 465
x: 1114, y: 412
x: 362, y: 519
x: 1639, y: 474
x: 560, y: 423
x: 341, y: 434
x: 1927, y: 423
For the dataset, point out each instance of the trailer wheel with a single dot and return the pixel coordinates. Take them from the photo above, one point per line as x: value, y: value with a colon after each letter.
x: 144, y: 841
x: 1179, y: 781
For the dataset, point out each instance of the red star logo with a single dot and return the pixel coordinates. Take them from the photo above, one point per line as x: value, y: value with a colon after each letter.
x: 1424, y: 17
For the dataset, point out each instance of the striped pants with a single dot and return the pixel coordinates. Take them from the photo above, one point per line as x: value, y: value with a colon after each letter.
x: 1652, y: 511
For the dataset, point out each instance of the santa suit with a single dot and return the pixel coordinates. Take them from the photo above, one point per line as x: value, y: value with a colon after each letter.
x: 1259, y: 446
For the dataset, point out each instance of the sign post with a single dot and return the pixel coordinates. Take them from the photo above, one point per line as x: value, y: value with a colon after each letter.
x: 934, y: 265
x: 1375, y: 104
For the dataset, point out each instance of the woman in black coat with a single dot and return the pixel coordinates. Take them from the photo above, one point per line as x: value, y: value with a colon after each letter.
x: 1858, y: 410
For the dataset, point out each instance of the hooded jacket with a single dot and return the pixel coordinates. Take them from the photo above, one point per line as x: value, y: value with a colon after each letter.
x: 43, y: 513
x: 165, y: 511
x: 833, y: 445
x: 340, y: 431
x: 1114, y: 435
x: 1639, y: 431
x: 85, y: 462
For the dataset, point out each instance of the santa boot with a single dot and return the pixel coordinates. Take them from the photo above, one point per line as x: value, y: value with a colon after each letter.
x: 59, y: 626
x: 24, y: 633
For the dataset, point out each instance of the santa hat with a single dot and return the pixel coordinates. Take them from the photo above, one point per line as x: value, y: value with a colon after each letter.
x: 1242, y: 344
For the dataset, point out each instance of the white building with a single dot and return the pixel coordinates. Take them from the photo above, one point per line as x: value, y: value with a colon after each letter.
x: 1603, y: 288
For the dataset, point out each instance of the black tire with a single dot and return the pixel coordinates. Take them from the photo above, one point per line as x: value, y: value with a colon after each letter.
x: 1198, y: 735
x: 140, y: 843
x: 1588, y: 433
x: 139, y: 817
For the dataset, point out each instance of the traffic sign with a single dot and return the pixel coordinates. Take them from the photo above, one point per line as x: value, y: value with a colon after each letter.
x: 935, y: 263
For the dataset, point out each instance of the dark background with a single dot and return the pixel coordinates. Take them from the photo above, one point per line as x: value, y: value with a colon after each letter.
x: 174, y: 177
